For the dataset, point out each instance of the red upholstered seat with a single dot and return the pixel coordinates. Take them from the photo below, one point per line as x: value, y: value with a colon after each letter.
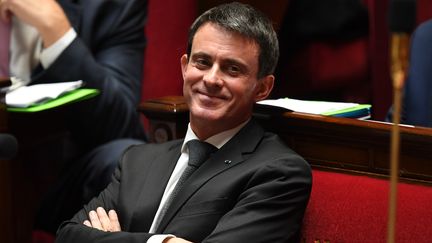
x: 353, y: 208
x: 166, y: 30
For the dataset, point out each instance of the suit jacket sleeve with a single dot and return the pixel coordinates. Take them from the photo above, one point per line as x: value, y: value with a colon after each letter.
x: 75, y: 231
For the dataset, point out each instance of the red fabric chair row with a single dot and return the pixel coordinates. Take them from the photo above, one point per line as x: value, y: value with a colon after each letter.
x: 166, y: 30
x: 354, y: 208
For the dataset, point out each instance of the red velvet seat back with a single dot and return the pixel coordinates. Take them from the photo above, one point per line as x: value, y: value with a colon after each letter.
x: 166, y: 30
x: 352, y: 208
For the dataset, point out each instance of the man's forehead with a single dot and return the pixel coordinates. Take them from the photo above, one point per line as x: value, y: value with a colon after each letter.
x: 215, y: 28
x: 213, y: 35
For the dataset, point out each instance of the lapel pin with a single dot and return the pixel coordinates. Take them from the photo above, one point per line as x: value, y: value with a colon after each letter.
x: 227, y: 162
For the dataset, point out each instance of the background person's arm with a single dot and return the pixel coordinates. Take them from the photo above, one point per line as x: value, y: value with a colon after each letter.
x: 106, y: 55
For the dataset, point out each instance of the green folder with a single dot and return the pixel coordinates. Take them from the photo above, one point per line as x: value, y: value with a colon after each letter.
x: 360, y: 110
x: 69, y: 97
x: 327, y: 108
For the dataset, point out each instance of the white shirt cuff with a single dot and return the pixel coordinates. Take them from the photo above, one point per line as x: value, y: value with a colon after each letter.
x: 50, y: 54
x: 159, y: 238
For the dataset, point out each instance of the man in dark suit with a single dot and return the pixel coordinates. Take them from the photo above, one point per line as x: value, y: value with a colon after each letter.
x: 253, y: 188
x: 102, y: 43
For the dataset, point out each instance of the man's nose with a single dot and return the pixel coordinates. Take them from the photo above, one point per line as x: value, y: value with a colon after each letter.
x: 213, y: 76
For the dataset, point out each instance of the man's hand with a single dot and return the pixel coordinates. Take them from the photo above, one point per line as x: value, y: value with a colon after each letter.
x: 100, y: 220
x: 46, y: 16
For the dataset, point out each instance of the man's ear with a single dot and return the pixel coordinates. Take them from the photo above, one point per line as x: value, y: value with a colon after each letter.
x: 184, y: 63
x: 264, y: 87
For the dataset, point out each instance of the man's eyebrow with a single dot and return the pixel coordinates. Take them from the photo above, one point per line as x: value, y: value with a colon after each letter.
x: 200, y: 54
x: 231, y: 61
x: 234, y: 61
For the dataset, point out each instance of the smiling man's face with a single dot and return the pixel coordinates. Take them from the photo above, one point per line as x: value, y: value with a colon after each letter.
x: 220, y: 80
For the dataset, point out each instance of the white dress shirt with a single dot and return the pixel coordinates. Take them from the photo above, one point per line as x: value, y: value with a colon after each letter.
x: 26, y: 50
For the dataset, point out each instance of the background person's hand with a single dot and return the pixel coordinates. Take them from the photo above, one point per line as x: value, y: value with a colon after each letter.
x: 46, y: 16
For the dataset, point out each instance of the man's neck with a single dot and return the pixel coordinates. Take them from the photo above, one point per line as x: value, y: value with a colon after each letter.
x: 205, y: 131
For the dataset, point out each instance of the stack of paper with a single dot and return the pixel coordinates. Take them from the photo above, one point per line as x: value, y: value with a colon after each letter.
x: 26, y: 96
x: 339, y: 109
x: 44, y: 96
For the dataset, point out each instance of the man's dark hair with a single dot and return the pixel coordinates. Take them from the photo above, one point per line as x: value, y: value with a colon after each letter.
x: 246, y: 21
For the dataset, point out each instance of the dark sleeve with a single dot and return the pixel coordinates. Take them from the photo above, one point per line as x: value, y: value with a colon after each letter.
x: 417, y: 103
x: 272, y: 206
x: 106, y: 55
x: 75, y: 231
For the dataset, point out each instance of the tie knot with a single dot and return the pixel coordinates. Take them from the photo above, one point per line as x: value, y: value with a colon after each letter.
x: 199, y: 152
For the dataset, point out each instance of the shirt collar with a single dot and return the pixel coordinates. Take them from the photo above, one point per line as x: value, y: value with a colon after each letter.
x: 217, y: 140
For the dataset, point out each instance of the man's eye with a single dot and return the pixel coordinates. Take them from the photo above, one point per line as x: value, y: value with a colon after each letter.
x: 233, y: 70
x: 201, y: 63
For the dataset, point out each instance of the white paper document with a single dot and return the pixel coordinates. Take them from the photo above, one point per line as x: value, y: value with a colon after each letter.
x: 313, y: 107
x: 26, y: 96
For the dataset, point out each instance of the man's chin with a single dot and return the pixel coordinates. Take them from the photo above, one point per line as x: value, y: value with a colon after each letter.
x: 206, y: 114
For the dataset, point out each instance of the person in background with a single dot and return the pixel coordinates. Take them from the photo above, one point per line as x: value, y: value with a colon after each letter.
x: 417, y: 97
x: 247, y: 186
x: 102, y: 43
x: 309, y: 67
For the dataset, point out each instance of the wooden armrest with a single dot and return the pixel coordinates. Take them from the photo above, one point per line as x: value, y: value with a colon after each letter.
x: 168, y: 117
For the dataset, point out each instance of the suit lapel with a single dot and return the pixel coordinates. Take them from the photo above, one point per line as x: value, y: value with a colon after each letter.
x: 153, y: 187
x: 232, y: 153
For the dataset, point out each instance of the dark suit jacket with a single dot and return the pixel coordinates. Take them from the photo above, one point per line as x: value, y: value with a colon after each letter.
x: 253, y: 189
x: 107, y: 55
x: 417, y: 104
x: 417, y: 100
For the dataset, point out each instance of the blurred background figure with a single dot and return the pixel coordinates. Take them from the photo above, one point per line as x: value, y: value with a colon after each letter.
x: 417, y: 97
x: 324, y: 48
x: 101, y: 43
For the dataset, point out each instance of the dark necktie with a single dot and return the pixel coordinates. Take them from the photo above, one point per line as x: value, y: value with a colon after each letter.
x: 198, y: 153
x: 4, y: 48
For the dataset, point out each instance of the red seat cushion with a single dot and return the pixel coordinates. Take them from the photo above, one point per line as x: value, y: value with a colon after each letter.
x: 351, y: 208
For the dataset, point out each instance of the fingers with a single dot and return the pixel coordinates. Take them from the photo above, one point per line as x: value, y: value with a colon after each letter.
x: 4, y: 11
x: 94, y: 220
x: 87, y: 223
x: 103, y: 218
x: 115, y: 224
x: 100, y: 220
